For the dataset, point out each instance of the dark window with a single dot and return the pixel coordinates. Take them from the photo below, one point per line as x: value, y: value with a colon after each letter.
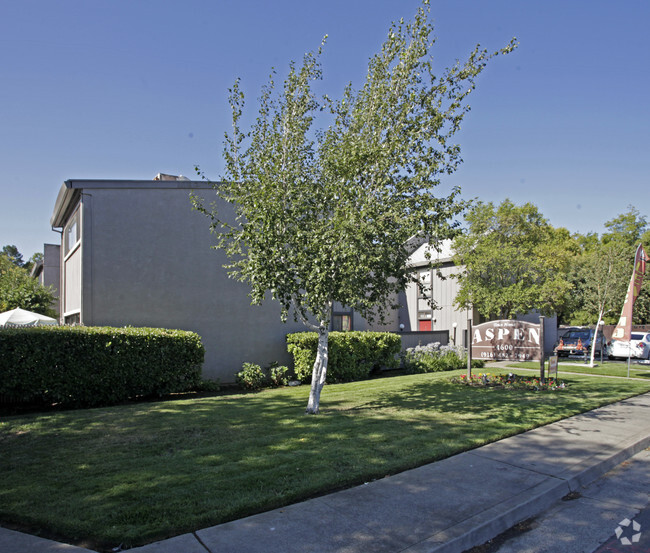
x: 73, y: 319
x: 342, y: 322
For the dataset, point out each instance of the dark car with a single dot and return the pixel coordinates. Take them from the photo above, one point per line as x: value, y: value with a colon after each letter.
x: 577, y: 341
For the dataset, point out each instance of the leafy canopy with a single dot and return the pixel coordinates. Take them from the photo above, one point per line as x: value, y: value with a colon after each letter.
x: 513, y: 261
x: 601, y: 274
x: 323, y: 216
x: 19, y: 289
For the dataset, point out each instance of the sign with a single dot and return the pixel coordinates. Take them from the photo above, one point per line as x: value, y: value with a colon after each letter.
x: 507, y: 340
x: 552, y: 366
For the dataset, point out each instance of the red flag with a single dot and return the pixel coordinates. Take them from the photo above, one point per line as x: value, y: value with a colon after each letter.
x: 623, y: 329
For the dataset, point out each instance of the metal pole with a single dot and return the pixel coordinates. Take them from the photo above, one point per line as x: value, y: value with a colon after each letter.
x: 541, y: 349
x: 469, y: 349
x: 629, y: 355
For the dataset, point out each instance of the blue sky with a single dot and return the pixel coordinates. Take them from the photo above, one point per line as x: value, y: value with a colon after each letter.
x: 125, y: 89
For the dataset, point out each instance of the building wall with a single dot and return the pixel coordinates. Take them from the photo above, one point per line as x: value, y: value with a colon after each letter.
x: 50, y: 274
x: 444, y: 289
x: 147, y: 261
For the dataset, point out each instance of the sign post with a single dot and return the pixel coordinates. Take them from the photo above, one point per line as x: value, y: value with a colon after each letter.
x: 542, y: 379
x: 469, y: 350
x: 552, y: 366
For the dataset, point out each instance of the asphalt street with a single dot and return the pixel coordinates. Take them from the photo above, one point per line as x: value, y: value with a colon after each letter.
x: 611, y: 515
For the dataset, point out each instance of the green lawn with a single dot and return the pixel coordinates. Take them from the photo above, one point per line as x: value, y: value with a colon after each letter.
x: 608, y: 368
x: 136, y: 473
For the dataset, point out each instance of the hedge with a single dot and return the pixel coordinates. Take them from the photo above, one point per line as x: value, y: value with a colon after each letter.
x: 92, y: 366
x: 352, y: 355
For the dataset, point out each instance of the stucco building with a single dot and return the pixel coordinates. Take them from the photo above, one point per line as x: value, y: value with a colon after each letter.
x: 136, y: 253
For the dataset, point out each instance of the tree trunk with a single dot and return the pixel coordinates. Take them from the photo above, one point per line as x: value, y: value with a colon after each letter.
x: 320, y: 370
x: 593, y: 343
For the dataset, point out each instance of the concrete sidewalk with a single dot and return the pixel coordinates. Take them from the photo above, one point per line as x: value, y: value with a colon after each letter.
x: 448, y: 506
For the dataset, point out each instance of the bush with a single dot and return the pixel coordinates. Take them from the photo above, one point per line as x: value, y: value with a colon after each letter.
x: 278, y: 376
x: 251, y: 377
x: 434, y: 357
x: 352, y: 355
x: 208, y: 386
x: 92, y: 366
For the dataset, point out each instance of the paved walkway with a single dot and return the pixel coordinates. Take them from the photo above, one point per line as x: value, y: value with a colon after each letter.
x: 444, y: 507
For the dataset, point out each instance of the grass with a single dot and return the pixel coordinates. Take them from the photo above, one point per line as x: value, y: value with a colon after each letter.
x: 137, y: 473
x: 608, y: 368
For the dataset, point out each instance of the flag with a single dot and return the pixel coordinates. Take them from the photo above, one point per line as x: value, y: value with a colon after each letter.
x: 623, y: 329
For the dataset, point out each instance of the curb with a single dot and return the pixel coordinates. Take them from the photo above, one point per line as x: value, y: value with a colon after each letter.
x: 490, y: 523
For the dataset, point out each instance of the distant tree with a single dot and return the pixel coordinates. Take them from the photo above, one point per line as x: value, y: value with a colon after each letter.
x: 604, y: 283
x: 631, y: 229
x: 512, y: 261
x: 601, y: 273
x: 12, y: 253
x: 324, y: 217
x: 19, y: 289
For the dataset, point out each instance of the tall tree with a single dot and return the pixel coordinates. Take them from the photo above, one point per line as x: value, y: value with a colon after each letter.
x: 12, y: 253
x: 628, y: 230
x: 513, y: 261
x: 324, y: 216
x: 19, y: 289
x: 601, y: 273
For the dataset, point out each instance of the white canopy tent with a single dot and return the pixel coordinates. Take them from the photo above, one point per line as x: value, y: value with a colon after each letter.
x: 20, y: 317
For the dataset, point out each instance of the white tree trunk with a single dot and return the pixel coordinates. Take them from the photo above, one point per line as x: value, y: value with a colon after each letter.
x: 593, y: 343
x: 320, y: 370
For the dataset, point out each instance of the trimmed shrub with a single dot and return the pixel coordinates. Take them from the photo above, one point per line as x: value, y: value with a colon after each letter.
x: 92, y: 366
x: 435, y: 357
x: 251, y: 377
x: 352, y: 355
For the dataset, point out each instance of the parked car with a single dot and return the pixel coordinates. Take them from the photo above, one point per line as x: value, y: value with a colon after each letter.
x: 638, y: 347
x: 577, y: 341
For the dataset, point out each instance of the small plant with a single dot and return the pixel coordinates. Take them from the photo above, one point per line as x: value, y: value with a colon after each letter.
x: 278, y: 376
x: 251, y: 377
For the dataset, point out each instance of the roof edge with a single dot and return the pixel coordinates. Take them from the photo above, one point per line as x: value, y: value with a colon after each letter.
x: 71, y: 190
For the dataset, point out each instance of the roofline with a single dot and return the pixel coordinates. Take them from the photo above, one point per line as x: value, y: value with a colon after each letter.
x: 72, y: 188
x: 37, y: 269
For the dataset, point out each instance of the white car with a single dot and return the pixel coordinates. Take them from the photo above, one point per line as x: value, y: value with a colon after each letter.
x: 638, y: 347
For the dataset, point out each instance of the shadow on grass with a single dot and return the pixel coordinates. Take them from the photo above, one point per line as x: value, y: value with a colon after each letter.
x: 141, y: 472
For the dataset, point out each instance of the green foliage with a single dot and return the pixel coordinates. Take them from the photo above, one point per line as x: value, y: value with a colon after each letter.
x: 209, y: 386
x: 19, y: 289
x: 513, y: 261
x: 278, y: 376
x: 600, y: 276
x: 352, y: 355
x: 324, y: 216
x: 12, y: 253
x: 601, y: 273
x: 435, y: 357
x: 251, y: 377
x: 91, y: 366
